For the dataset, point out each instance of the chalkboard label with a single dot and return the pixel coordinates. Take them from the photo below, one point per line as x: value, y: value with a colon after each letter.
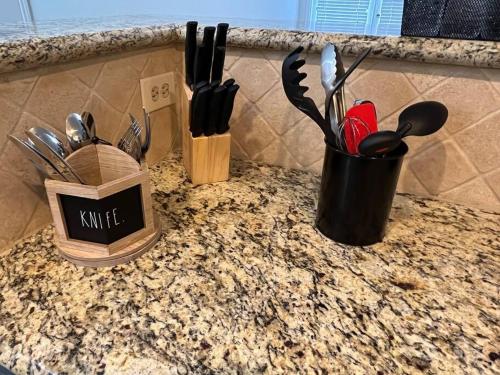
x: 105, y: 220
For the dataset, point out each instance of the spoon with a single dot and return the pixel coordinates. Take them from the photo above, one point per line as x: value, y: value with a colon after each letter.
x: 379, y: 143
x: 89, y: 123
x: 422, y: 118
x: 76, y: 132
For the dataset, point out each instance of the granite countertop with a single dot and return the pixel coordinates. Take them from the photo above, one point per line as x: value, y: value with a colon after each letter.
x: 52, y: 44
x: 241, y: 282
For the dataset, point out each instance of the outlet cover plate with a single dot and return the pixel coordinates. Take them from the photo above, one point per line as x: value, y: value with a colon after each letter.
x: 158, y: 91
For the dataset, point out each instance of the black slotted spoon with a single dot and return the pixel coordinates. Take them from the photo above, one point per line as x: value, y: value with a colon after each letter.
x: 295, y: 92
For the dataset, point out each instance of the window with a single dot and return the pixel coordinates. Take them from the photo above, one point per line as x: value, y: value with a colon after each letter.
x: 371, y: 17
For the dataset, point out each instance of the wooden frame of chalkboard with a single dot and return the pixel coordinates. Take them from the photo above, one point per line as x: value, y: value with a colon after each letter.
x: 206, y: 159
x: 109, y: 221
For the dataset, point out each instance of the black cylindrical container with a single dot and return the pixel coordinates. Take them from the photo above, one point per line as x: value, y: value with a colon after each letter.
x: 356, y: 195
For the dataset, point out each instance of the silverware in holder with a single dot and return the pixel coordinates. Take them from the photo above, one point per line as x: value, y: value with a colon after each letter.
x: 110, y: 220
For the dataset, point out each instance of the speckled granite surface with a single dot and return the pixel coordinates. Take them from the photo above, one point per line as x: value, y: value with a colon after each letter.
x: 241, y: 282
x: 37, y: 51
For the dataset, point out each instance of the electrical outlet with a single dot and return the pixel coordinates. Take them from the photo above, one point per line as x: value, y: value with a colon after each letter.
x: 158, y: 91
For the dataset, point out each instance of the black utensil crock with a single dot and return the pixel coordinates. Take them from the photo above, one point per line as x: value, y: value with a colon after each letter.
x: 356, y: 195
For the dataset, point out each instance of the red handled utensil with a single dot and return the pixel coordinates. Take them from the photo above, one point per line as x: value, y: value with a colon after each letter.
x: 360, y: 121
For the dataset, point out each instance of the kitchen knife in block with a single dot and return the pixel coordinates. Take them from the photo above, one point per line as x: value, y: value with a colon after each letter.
x: 205, y: 56
x: 218, y: 63
x: 206, y: 159
x: 215, y: 84
x: 200, y: 105
x: 190, y: 51
x: 227, y: 109
x: 221, y: 37
x: 196, y: 88
x: 229, y: 82
x: 216, y: 110
x: 200, y: 61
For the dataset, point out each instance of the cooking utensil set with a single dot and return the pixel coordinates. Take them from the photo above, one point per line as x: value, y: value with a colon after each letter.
x: 47, y: 149
x: 212, y: 101
x: 354, y: 130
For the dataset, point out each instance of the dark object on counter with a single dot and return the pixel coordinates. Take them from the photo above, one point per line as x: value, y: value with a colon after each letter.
x: 105, y: 220
x: 419, y: 119
x: 215, y: 113
x: 200, y: 106
x: 424, y: 118
x: 200, y: 62
x: 218, y: 63
x: 379, y: 143
x: 208, y: 42
x: 204, y: 55
x: 356, y: 195
x: 228, y: 108
x: 211, y: 103
x: 219, y: 51
x: 214, y: 85
x: 190, y: 51
x: 291, y: 79
x: 462, y: 19
x: 229, y: 82
x: 221, y: 37
x: 196, y: 88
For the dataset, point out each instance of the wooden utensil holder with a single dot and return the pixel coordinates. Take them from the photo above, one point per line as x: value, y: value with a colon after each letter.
x: 110, y: 220
x: 206, y: 159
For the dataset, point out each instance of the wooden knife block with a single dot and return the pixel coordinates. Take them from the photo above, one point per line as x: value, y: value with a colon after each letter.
x: 206, y: 159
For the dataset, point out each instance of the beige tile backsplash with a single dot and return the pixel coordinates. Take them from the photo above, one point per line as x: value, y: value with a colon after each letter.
x: 461, y: 163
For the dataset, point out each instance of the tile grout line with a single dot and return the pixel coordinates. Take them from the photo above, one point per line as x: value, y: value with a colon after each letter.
x: 486, y: 117
x: 22, y: 109
x: 417, y: 178
x: 96, y: 79
x: 410, y: 83
x: 233, y: 139
x: 489, y: 185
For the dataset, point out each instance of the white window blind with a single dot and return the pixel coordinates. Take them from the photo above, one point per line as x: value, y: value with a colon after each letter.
x: 390, y: 18
x: 373, y: 17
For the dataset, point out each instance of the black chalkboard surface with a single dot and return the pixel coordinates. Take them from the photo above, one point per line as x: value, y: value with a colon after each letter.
x: 105, y: 220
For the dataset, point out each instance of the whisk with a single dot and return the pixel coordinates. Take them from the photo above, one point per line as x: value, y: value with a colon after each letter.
x: 352, y: 131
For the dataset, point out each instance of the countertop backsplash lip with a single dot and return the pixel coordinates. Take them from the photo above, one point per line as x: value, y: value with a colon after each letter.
x: 23, y: 54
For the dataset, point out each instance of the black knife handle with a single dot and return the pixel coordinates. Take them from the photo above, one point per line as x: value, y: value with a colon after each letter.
x: 229, y: 82
x: 227, y: 109
x: 221, y: 37
x: 216, y: 107
x: 198, y: 65
x: 200, y: 110
x: 218, y: 64
x: 215, y: 84
x: 208, y: 42
x: 190, y: 51
x: 196, y: 89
